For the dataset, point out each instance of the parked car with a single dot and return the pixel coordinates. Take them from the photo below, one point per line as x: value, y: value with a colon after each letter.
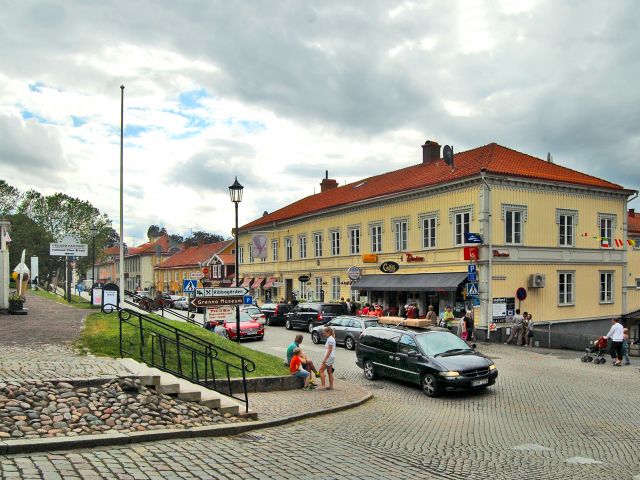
x: 249, y: 328
x: 167, y: 301
x: 348, y: 329
x: 255, y: 313
x: 309, y: 315
x: 181, y: 303
x: 435, y: 359
x: 276, y: 313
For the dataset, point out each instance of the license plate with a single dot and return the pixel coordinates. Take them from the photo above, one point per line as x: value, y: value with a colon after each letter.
x: 251, y: 332
x: 482, y: 381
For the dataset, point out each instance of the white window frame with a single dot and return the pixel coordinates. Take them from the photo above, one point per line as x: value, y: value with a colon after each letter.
x: 354, y: 240
x: 607, y: 231
x: 375, y: 232
x: 317, y: 244
x: 401, y: 234
x: 274, y: 248
x: 288, y: 248
x: 462, y: 224
x: 241, y: 254
x: 335, y: 288
x: 509, y: 210
x: 429, y: 227
x: 302, y: 246
x: 567, y: 299
x: 606, y: 286
x: 304, y: 291
x: 318, y: 289
x: 561, y: 216
x: 334, y: 235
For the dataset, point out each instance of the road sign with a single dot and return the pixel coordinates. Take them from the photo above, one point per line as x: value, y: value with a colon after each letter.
x: 247, y: 300
x: 472, y: 289
x: 196, y: 275
x: 521, y: 294
x: 205, y: 271
x: 221, y: 292
x: 216, y: 301
x: 472, y: 277
x: 69, y: 247
x: 472, y: 268
x: 189, y: 286
x: 472, y: 238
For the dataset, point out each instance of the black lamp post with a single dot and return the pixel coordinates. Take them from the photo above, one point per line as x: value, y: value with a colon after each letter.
x: 94, y: 231
x: 235, y: 192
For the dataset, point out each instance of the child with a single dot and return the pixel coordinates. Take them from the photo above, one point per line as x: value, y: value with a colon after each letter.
x: 625, y: 346
x: 295, y: 367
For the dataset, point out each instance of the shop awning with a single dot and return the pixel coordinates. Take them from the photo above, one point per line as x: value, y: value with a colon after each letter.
x: 419, y: 282
x: 269, y: 283
x: 257, y: 282
x: 246, y: 282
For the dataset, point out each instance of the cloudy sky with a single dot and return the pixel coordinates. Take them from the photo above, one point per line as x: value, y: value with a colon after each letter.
x: 276, y: 92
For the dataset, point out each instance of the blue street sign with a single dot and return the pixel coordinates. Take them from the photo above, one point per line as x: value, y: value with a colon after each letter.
x: 472, y: 238
x: 247, y: 300
x: 472, y: 268
x: 189, y: 286
x: 472, y: 289
x: 472, y: 277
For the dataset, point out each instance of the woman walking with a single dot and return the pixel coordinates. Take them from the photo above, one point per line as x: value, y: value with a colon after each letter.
x: 329, y: 357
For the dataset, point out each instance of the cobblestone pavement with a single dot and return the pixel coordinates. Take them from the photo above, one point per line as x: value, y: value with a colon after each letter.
x: 548, y: 417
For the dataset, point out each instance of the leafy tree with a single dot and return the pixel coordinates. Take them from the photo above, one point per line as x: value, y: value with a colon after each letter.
x: 204, y: 238
x: 9, y: 198
x: 176, y: 239
x: 113, y: 239
x: 155, y: 231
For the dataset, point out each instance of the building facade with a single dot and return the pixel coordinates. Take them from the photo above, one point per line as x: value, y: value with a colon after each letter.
x: 558, y: 234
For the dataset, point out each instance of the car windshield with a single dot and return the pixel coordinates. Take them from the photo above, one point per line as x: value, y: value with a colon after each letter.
x: 441, y: 343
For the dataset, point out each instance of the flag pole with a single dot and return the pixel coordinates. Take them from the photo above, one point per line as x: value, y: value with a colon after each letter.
x: 121, y: 260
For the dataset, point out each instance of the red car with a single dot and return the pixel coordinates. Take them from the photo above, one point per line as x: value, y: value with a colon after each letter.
x: 249, y: 328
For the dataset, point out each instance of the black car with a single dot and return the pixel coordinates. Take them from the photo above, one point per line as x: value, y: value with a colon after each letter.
x: 311, y: 314
x: 276, y: 313
x: 435, y: 359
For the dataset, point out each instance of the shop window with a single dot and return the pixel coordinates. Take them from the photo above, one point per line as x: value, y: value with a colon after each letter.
x: 606, y: 287
x: 566, y: 288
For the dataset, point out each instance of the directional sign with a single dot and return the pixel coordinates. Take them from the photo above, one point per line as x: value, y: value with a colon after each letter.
x: 472, y: 268
x: 472, y: 289
x: 189, y: 286
x: 215, y: 301
x: 69, y: 247
x: 221, y: 292
x: 472, y: 238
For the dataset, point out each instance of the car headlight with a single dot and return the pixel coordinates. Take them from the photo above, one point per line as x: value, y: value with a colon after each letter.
x: 492, y: 366
x: 450, y: 374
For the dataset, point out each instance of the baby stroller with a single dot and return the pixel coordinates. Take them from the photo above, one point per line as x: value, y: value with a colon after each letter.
x: 595, y: 351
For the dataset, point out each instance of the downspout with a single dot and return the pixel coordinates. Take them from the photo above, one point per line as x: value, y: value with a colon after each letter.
x: 488, y: 310
x: 624, y: 252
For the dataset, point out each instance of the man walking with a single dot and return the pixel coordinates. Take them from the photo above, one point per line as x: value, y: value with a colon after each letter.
x: 616, y: 334
x: 516, y: 330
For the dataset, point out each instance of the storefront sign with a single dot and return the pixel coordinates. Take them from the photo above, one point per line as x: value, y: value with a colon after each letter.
x: 369, y: 258
x: 471, y: 253
x: 503, y: 309
x: 389, y: 267
x: 221, y: 314
x: 304, y: 278
x: 501, y: 253
x: 412, y: 258
x: 354, y: 273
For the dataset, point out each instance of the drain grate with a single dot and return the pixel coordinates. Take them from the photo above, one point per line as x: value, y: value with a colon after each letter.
x: 249, y: 437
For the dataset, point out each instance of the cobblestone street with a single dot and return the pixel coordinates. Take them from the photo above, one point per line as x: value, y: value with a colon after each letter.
x: 548, y: 417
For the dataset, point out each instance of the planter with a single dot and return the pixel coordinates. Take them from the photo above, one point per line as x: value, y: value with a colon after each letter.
x: 15, y: 306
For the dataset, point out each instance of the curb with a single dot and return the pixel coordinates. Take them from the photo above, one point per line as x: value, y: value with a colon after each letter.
x: 118, y: 439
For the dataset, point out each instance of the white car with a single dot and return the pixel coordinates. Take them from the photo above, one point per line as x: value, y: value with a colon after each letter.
x: 182, y: 303
x: 255, y: 313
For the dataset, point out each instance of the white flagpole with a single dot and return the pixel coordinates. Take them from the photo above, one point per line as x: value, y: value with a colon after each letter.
x: 121, y: 262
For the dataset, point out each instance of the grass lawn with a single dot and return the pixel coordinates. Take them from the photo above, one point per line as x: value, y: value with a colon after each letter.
x: 101, y: 337
x: 76, y: 301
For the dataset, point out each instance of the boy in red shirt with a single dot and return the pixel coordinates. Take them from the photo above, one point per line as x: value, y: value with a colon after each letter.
x: 295, y: 367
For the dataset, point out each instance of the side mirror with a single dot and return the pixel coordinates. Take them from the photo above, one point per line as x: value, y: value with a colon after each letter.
x: 473, y: 346
x: 412, y: 354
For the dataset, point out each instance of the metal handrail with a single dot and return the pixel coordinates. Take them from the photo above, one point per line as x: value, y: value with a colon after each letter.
x: 164, y: 338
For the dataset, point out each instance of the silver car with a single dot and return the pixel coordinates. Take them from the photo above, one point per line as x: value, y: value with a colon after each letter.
x: 347, y: 328
x: 181, y: 303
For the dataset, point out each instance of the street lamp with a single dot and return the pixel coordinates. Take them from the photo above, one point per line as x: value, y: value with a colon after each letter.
x: 235, y: 192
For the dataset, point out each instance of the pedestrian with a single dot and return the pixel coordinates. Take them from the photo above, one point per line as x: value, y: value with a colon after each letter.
x: 516, y: 329
x: 529, y: 331
x: 306, y: 362
x: 432, y: 316
x: 295, y: 367
x: 329, y: 357
x: 348, y: 306
x: 525, y: 329
x: 625, y: 346
x: 448, y: 318
x: 469, y: 326
x: 403, y: 311
x: 616, y: 334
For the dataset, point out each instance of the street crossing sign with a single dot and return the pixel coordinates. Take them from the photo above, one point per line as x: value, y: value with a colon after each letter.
x: 189, y: 286
x: 221, y: 292
x: 472, y: 289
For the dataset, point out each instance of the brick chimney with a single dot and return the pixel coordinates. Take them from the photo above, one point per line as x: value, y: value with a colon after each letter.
x: 327, y: 183
x: 430, y: 152
x: 632, y: 212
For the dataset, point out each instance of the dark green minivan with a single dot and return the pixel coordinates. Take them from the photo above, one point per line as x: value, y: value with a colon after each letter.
x: 435, y: 359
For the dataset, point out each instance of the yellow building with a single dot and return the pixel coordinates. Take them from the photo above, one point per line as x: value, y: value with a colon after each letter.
x: 556, y: 233
x: 632, y: 317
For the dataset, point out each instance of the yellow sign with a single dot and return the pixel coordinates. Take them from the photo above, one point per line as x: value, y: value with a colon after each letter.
x: 369, y: 258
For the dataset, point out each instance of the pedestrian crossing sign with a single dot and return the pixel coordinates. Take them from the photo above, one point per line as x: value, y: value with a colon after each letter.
x: 472, y: 289
x: 189, y: 286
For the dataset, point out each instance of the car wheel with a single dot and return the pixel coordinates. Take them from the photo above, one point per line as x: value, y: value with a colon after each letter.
x: 315, y: 338
x: 287, y: 325
x: 369, y: 371
x: 430, y: 385
x: 310, y: 327
x: 349, y: 343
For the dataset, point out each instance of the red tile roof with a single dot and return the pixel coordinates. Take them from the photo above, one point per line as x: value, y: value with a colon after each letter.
x: 495, y: 158
x: 192, y: 255
x: 111, y: 251
x: 227, y: 258
x: 633, y: 222
x: 150, y: 247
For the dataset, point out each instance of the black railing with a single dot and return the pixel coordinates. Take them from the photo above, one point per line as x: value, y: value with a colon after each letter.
x: 182, y: 354
x: 150, y: 305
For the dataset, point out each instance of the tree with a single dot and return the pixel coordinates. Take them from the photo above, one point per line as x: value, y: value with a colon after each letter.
x: 155, y: 231
x: 9, y: 199
x: 204, y: 238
